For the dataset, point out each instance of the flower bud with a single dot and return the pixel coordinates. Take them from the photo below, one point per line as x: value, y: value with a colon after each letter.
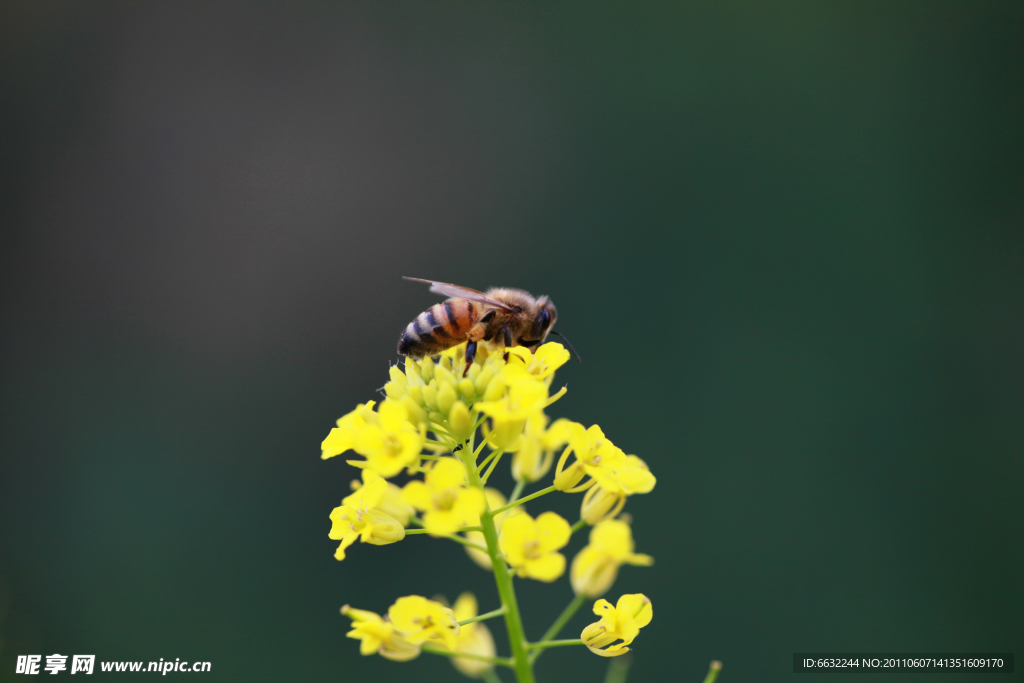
x: 483, y: 380
x: 446, y: 396
x: 427, y: 368
x: 467, y: 389
x: 443, y: 373
x: 398, y: 376
x: 460, y: 421
x: 412, y: 372
x: 394, y: 390
x: 430, y: 396
x: 417, y: 415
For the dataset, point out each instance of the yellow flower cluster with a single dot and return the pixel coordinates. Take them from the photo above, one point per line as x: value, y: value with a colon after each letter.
x: 410, y: 622
x: 414, y: 621
x: 427, y: 426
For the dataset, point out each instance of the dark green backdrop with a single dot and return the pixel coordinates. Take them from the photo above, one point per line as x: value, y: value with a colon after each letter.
x: 787, y: 239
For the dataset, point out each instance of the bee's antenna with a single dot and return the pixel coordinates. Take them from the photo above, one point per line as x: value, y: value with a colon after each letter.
x: 576, y: 355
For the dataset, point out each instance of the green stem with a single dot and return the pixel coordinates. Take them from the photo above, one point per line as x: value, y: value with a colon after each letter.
x: 494, y: 464
x: 486, y: 460
x: 538, y: 494
x: 490, y: 615
x: 617, y: 669
x: 458, y: 539
x: 480, y: 421
x: 490, y: 676
x: 553, y: 643
x: 440, y: 430
x: 577, y: 526
x: 468, y: 544
x: 517, y: 491
x: 503, y: 580
x: 713, y: 670
x: 560, y: 622
x: 410, y: 532
x: 503, y: 661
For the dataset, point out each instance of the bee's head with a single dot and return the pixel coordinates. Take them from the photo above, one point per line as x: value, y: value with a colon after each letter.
x: 547, y: 314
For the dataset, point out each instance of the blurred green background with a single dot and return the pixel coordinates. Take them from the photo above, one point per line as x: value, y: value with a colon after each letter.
x: 786, y: 238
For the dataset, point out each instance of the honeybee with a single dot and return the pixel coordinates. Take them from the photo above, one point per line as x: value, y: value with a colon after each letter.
x: 512, y: 316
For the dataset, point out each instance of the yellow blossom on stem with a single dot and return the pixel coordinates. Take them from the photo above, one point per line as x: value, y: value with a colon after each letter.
x: 537, y: 450
x: 595, y: 567
x: 605, y: 462
x: 388, y: 440
x: 341, y: 438
x: 622, y: 622
x: 448, y: 503
x: 513, y: 398
x: 548, y: 358
x: 358, y: 518
x: 531, y: 546
x: 428, y: 424
x: 378, y: 636
x: 599, y: 505
x: 390, y: 502
x: 420, y: 620
x: 606, y: 499
x: 473, y: 639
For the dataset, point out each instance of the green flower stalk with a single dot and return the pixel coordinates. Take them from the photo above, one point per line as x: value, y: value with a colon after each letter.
x: 435, y: 424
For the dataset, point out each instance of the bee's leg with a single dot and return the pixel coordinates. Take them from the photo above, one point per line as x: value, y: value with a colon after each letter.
x: 470, y: 355
x: 507, y: 338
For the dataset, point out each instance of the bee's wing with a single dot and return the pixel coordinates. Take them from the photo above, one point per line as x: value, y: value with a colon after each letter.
x: 457, y: 292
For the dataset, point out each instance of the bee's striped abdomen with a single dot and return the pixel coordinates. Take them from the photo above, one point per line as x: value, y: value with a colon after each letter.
x: 439, y: 327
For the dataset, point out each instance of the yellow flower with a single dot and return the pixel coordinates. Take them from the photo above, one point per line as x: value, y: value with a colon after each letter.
x: 512, y: 398
x: 358, y: 518
x: 547, y: 359
x: 607, y: 465
x: 447, y: 502
x: 622, y: 622
x: 531, y: 546
x: 341, y: 437
x: 495, y: 500
x: 624, y: 479
x: 626, y: 475
x: 378, y: 636
x: 595, y: 567
x: 390, y: 442
x: 537, y: 451
x: 599, y: 505
x: 420, y: 620
x: 473, y: 638
x: 390, y: 503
